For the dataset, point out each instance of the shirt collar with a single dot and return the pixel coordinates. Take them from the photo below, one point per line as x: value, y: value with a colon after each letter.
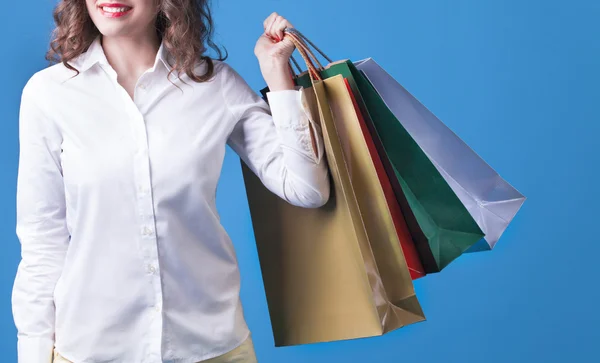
x: 95, y: 54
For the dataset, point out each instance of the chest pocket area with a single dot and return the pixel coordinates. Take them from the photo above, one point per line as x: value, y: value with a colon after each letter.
x: 97, y: 161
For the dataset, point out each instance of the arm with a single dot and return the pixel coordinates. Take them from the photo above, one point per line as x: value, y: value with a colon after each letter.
x: 282, y: 146
x: 277, y: 144
x: 41, y: 229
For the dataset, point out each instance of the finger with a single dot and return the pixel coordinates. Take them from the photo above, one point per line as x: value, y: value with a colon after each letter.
x: 287, y: 42
x: 269, y: 20
x: 273, y: 28
x: 267, y: 38
x: 278, y: 26
x: 270, y: 26
x: 281, y: 26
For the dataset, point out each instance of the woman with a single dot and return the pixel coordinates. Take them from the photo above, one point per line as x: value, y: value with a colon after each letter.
x: 121, y: 145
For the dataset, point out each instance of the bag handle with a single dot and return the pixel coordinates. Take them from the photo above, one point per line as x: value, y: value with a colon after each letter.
x: 307, y: 55
x: 295, y: 62
x: 300, y: 41
x: 306, y: 40
x: 306, y: 48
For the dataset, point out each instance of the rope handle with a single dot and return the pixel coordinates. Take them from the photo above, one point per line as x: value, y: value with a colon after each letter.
x: 306, y: 48
x: 307, y: 55
x: 300, y: 41
x: 306, y: 40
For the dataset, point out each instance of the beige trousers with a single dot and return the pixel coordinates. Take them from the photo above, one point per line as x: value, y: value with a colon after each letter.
x: 242, y: 354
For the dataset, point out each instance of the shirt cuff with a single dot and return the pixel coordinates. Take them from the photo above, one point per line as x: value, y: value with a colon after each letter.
x: 291, y: 112
x: 287, y: 107
x: 35, y: 350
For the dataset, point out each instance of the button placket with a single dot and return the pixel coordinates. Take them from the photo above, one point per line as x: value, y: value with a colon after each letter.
x: 141, y: 90
x: 146, y: 213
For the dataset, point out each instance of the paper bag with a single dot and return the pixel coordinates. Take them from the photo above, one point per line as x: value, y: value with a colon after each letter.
x: 490, y: 199
x: 333, y: 272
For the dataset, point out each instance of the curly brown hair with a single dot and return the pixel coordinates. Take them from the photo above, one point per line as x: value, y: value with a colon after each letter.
x: 184, y: 26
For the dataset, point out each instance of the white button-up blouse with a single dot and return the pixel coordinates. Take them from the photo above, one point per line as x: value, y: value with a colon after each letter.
x: 124, y: 258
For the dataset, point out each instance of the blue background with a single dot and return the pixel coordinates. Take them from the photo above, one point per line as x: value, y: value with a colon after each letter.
x: 517, y: 80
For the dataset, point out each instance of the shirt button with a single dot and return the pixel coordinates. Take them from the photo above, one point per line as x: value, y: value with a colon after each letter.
x: 151, y: 269
x: 147, y: 231
x: 142, y: 86
x: 157, y: 308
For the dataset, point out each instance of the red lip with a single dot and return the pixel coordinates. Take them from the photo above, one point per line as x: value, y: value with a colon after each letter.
x: 114, y: 5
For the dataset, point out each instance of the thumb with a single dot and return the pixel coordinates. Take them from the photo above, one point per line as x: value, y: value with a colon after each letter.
x: 287, y: 44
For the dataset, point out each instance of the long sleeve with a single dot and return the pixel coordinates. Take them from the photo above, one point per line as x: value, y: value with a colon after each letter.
x: 277, y: 142
x: 41, y: 229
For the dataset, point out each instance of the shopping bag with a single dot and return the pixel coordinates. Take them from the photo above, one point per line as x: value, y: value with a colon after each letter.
x: 416, y: 250
x: 382, y: 166
x: 335, y: 272
x: 406, y: 242
x: 412, y: 257
x: 490, y: 199
x: 439, y: 223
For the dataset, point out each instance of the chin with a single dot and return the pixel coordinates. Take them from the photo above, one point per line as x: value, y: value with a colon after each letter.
x: 118, y: 29
x: 112, y: 31
x: 109, y: 33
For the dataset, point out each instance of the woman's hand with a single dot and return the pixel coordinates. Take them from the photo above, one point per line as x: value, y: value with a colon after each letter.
x: 273, y: 51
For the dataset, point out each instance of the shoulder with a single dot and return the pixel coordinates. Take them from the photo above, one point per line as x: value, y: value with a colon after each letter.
x: 231, y: 83
x: 222, y: 67
x: 46, y: 81
x: 222, y: 75
x: 225, y: 73
x: 39, y: 101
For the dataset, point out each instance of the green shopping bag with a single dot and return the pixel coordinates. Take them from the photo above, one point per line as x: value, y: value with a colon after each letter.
x: 441, y: 226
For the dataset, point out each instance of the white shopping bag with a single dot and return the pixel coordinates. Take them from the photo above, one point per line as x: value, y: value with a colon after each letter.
x: 490, y: 199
